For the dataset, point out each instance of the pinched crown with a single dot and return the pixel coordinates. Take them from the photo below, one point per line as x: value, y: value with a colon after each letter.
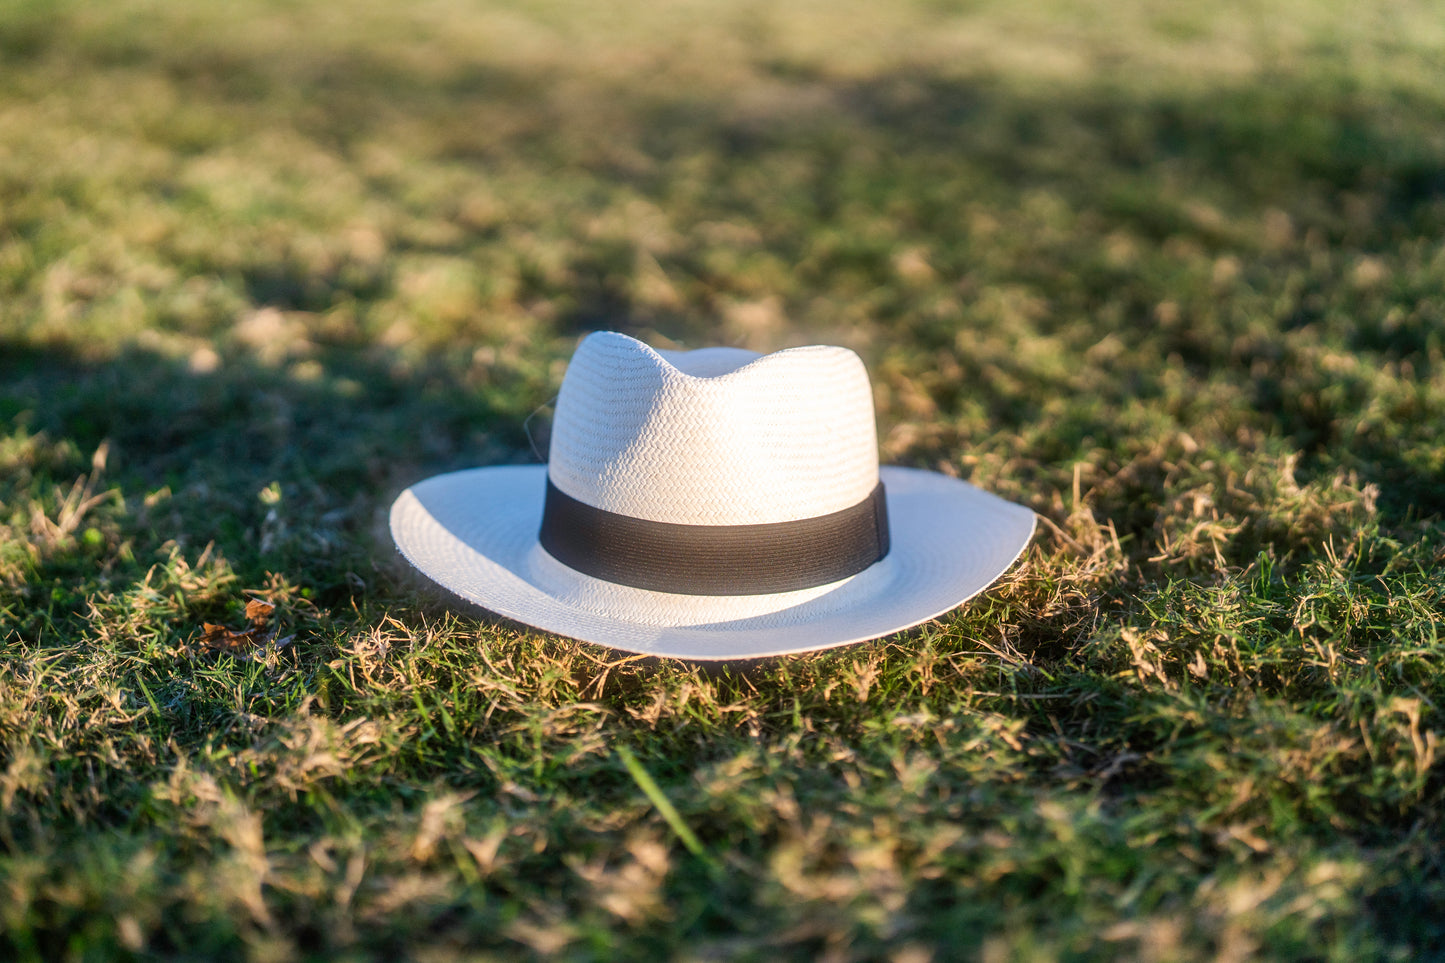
x: 719, y: 436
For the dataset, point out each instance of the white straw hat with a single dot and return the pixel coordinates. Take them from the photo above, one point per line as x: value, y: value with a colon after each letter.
x: 711, y: 504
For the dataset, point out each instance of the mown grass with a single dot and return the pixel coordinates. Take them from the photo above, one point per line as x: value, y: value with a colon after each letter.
x: 1172, y: 278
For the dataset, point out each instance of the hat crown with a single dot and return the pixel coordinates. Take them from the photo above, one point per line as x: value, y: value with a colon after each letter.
x: 719, y: 436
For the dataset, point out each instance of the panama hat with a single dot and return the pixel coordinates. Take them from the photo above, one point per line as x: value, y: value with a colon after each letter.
x: 710, y: 504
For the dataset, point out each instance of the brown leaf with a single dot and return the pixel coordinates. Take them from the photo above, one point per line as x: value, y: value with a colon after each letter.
x: 248, y: 642
x: 218, y: 638
x: 258, y: 611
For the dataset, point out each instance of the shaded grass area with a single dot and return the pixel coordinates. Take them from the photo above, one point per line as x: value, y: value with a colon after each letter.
x: 260, y: 270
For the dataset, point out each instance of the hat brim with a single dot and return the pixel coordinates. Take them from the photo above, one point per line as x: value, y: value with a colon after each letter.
x: 475, y: 533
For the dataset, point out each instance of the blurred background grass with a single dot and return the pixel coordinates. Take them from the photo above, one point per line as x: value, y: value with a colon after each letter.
x: 1172, y: 276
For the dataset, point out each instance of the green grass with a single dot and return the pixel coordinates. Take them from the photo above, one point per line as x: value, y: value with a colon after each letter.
x: 1172, y: 277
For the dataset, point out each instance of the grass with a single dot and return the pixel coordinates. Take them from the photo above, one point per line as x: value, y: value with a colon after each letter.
x: 1171, y: 277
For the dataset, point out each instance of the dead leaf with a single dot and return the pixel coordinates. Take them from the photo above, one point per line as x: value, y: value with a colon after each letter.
x: 218, y: 638
x: 244, y: 643
x: 258, y: 611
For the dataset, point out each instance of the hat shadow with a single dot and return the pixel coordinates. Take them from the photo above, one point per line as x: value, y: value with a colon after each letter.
x: 433, y: 599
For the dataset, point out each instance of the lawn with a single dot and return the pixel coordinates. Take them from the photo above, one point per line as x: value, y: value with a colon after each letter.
x: 1171, y: 276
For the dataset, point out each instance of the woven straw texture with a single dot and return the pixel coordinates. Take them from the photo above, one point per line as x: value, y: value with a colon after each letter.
x: 719, y: 436
x: 714, y: 437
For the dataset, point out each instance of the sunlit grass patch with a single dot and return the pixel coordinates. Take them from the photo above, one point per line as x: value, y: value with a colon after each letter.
x: 1172, y: 278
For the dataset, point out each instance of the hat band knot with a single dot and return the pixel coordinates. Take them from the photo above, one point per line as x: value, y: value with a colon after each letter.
x: 715, y: 559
